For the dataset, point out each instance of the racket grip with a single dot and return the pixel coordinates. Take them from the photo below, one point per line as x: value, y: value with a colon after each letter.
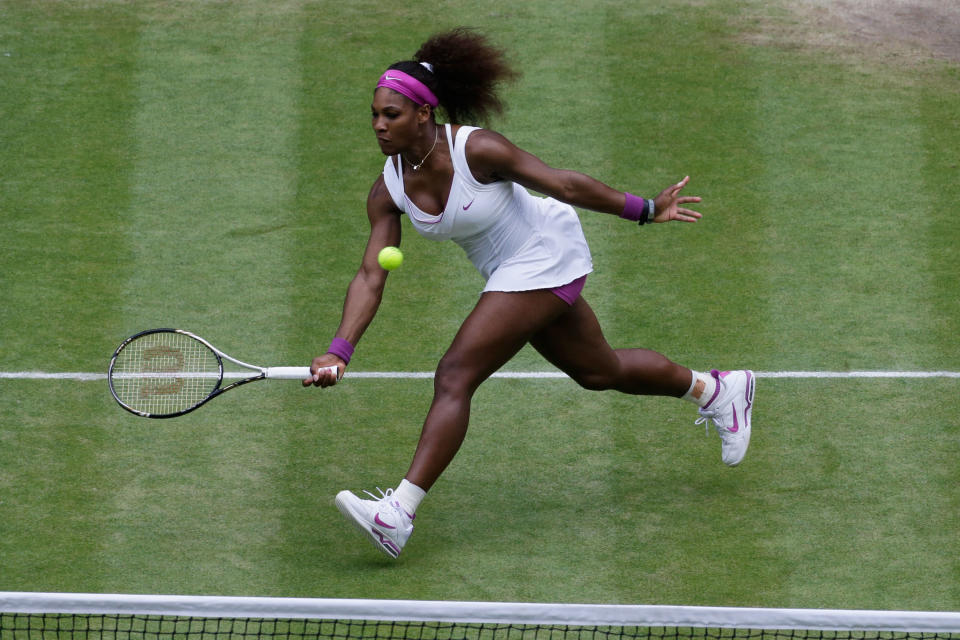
x: 292, y: 373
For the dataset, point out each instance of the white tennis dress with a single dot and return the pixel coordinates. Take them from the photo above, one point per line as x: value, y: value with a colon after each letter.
x: 517, y: 241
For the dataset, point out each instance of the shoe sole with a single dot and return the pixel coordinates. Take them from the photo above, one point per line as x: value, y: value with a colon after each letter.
x: 344, y: 506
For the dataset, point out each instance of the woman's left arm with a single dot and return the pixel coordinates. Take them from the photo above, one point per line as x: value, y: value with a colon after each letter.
x: 492, y: 157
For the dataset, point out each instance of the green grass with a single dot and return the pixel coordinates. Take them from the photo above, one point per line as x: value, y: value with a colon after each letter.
x: 205, y: 165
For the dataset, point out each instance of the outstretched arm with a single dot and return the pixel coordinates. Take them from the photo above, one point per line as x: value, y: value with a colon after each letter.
x: 492, y: 157
x: 366, y: 289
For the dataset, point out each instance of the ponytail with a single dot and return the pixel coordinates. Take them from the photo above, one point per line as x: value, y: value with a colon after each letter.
x: 464, y: 71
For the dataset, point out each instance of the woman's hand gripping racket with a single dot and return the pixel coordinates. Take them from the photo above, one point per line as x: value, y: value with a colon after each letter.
x: 164, y: 373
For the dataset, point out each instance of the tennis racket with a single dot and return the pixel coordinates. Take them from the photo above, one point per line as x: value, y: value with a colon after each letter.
x: 164, y: 373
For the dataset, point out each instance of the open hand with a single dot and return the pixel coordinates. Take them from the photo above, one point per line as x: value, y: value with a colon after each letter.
x: 667, y: 205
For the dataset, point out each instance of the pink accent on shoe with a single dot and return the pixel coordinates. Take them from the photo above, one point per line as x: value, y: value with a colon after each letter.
x: 716, y: 392
x: 396, y: 505
x: 381, y: 523
x: 387, y: 542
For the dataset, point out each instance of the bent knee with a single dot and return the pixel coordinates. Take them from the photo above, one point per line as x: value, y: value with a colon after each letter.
x: 453, y: 378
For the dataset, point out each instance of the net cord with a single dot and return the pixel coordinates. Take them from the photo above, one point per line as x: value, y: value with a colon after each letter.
x: 482, y: 612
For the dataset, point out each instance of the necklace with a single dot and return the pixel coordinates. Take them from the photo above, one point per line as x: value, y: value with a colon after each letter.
x: 416, y: 167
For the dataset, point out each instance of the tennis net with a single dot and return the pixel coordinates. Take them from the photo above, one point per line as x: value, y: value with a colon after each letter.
x: 65, y: 616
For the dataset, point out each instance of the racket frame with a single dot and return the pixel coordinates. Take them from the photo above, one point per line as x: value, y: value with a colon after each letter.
x: 260, y: 373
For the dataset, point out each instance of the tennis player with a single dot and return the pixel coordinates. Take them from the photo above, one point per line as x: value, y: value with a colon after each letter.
x: 470, y: 185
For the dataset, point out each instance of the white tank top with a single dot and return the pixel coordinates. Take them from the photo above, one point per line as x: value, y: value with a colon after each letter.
x: 517, y: 241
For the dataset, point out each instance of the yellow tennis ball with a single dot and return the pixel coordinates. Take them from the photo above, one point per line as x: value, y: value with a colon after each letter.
x: 390, y: 258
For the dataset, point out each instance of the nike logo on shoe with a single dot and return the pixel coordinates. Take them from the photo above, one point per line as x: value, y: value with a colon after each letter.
x: 736, y: 424
x: 381, y: 523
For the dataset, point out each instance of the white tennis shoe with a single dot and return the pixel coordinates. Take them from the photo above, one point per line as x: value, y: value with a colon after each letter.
x: 383, y: 520
x: 729, y: 410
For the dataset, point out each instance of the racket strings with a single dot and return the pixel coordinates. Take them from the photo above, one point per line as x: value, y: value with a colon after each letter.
x: 164, y: 373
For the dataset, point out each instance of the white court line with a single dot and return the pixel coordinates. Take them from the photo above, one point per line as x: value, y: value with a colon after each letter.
x: 412, y: 375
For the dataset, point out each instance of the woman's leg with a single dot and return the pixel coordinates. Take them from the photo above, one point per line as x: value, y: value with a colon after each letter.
x: 495, y: 330
x: 499, y: 326
x: 574, y: 343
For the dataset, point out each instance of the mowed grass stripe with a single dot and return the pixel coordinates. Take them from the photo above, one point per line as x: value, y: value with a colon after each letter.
x: 215, y: 180
x: 66, y: 104
x: 847, y: 280
x: 676, y: 289
x: 941, y: 176
x: 942, y: 183
x: 847, y: 271
x: 65, y: 111
x: 685, y: 290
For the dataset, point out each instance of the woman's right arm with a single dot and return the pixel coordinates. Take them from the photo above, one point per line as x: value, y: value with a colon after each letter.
x: 366, y: 289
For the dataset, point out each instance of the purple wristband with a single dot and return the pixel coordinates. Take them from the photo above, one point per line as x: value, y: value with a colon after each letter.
x: 635, y: 209
x: 342, y: 349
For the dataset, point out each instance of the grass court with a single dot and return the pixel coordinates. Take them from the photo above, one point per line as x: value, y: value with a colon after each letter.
x: 204, y: 165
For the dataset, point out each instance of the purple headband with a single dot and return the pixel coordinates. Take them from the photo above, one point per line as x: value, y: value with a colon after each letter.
x: 409, y: 86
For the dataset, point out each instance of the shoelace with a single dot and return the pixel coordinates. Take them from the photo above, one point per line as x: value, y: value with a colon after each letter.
x: 384, y: 499
x: 705, y: 418
x: 706, y: 415
x: 705, y: 421
x: 383, y: 495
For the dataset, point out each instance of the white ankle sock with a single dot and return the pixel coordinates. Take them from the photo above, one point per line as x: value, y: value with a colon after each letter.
x: 702, y: 389
x: 409, y: 495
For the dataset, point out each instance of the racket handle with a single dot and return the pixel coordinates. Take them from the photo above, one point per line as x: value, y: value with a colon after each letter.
x: 293, y: 373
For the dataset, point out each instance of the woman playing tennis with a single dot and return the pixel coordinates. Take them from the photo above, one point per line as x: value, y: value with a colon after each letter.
x: 470, y: 185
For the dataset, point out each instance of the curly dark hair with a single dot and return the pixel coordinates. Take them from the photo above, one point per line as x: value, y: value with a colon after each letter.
x: 467, y: 74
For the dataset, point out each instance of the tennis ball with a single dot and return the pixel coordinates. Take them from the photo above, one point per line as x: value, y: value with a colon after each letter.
x: 390, y: 258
